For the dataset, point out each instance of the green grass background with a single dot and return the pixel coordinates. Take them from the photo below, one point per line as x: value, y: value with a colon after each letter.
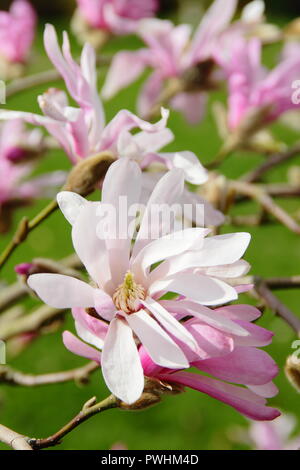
x: 187, y: 421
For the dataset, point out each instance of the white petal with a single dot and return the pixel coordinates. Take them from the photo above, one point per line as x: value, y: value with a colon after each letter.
x: 166, y: 192
x: 61, y: 291
x: 202, y: 289
x: 206, y: 315
x: 194, y: 172
x: 91, y: 248
x: 122, y: 184
x: 253, y: 12
x: 70, y: 204
x: 223, y: 249
x: 166, y: 247
x: 170, y: 323
x: 160, y: 347
x: 121, y: 365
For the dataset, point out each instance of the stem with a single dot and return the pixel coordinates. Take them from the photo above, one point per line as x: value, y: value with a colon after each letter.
x: 278, y: 307
x: 23, y: 229
x: 13, y: 439
x: 14, y: 377
x: 88, y: 410
x: 271, y: 162
x: 26, y: 83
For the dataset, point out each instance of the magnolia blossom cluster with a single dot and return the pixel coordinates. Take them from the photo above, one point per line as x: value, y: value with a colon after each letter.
x: 82, y: 131
x: 19, y: 147
x: 185, y: 70
x: 17, y: 29
x: 124, y: 312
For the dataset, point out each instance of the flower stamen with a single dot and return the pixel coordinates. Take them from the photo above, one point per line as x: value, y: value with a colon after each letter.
x: 128, y: 294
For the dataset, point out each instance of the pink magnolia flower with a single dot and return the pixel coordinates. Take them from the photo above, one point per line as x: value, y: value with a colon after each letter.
x: 16, y: 189
x: 82, y: 131
x: 275, y: 435
x: 130, y: 280
x: 252, y: 88
x: 172, y: 54
x: 225, y: 357
x: 17, y: 29
x: 116, y: 16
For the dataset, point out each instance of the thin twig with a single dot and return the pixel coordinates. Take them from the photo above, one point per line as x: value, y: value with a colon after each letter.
x: 13, y: 439
x: 88, y: 410
x: 24, y: 228
x: 257, y: 193
x: 32, y: 322
x: 14, y: 377
x: 276, y: 305
x: 41, y: 78
x: 271, y: 162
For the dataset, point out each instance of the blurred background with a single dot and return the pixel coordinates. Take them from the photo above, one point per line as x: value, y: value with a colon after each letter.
x: 190, y: 420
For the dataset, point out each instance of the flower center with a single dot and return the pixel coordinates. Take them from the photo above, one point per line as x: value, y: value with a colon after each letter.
x: 128, y: 294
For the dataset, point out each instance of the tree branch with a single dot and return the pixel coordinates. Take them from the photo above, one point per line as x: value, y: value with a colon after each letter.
x: 271, y: 162
x: 274, y: 304
x: 88, y: 410
x: 14, y: 377
x: 13, y: 439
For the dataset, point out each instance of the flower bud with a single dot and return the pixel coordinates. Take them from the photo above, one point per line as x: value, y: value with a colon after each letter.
x: 153, y: 391
x: 292, y: 371
x: 88, y: 173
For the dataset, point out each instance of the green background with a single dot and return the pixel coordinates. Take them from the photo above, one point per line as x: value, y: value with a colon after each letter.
x: 187, y: 421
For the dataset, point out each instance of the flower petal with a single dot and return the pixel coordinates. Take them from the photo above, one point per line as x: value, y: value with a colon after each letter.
x: 121, y: 365
x: 70, y: 204
x: 78, y: 347
x: 61, y: 291
x: 160, y: 347
x: 243, y: 400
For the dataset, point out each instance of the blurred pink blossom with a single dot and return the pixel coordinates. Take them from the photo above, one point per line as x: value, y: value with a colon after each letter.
x: 17, y: 29
x: 116, y: 16
x: 82, y: 131
x: 253, y: 88
x: 171, y: 53
x: 275, y: 435
x: 16, y: 186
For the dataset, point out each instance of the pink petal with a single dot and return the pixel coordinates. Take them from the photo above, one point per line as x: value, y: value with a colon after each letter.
x: 241, y: 399
x: 78, y: 347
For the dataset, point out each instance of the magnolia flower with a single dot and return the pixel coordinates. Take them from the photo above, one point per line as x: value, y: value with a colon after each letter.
x: 130, y: 280
x: 82, y: 132
x: 115, y: 16
x: 17, y: 29
x: 17, y: 147
x: 255, y: 94
x: 275, y: 435
x: 226, y: 357
x: 173, y: 55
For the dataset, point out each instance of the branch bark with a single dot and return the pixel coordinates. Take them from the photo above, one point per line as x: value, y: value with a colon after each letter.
x: 13, y: 439
x: 14, y: 377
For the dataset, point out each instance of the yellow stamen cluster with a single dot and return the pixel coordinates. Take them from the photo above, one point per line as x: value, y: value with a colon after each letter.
x: 128, y: 294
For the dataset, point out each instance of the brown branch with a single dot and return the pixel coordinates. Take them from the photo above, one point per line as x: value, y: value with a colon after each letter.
x: 271, y: 162
x: 17, y: 291
x: 88, y: 410
x: 13, y: 439
x: 26, y: 83
x: 276, y: 305
x: 14, y: 377
x: 32, y: 322
x: 257, y: 193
